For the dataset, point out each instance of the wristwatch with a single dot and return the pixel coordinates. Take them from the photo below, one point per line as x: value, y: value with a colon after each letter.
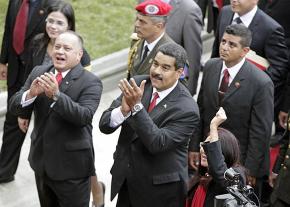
x: 56, y: 95
x: 137, y: 107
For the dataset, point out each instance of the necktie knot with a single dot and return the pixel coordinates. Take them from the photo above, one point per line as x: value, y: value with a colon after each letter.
x: 58, y: 78
x: 153, y: 102
x: 238, y: 20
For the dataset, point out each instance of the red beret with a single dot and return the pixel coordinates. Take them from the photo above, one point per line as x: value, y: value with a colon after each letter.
x: 154, y: 8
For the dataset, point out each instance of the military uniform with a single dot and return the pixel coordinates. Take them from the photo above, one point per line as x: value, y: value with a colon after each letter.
x: 136, y: 66
x: 280, y: 195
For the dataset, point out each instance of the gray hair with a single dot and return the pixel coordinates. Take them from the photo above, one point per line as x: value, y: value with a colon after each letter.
x: 79, y: 38
x: 176, y: 51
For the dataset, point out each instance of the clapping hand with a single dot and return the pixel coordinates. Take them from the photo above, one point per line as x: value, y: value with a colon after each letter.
x: 132, y: 94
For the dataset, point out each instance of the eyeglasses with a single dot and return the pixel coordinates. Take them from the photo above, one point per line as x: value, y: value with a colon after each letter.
x: 56, y: 22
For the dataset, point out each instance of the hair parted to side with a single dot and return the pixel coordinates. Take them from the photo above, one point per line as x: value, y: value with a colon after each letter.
x: 176, y: 51
x: 241, y: 31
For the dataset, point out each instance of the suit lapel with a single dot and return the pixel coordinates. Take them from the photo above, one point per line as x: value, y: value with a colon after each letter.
x: 214, y: 78
x: 237, y: 83
x: 169, y: 100
x: 70, y: 77
x: 37, y: 16
x: 254, y: 24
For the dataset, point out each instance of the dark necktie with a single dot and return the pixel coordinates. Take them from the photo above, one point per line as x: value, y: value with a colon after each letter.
x: 238, y: 20
x: 58, y: 78
x: 20, y: 27
x: 146, y: 50
x: 153, y: 102
x: 224, y: 85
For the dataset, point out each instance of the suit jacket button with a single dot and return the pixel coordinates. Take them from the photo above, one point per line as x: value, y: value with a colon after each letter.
x: 284, y: 168
x: 282, y: 165
x: 128, y: 165
x: 287, y: 157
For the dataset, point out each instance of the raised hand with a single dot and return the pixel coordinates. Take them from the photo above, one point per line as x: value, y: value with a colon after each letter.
x: 131, y: 92
x: 49, y: 84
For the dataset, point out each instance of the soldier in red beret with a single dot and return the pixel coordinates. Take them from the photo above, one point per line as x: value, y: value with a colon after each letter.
x: 150, y: 34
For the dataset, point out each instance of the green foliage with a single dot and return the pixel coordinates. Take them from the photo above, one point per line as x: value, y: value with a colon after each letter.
x: 105, y: 25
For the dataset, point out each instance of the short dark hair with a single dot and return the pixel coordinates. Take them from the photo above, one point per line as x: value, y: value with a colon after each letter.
x: 176, y: 51
x: 66, y: 9
x: 241, y: 31
x: 230, y: 147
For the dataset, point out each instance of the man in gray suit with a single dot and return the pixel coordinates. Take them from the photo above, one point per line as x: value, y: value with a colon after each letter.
x: 64, y: 97
x: 157, y: 115
x: 150, y: 28
x: 246, y: 94
x: 184, y: 25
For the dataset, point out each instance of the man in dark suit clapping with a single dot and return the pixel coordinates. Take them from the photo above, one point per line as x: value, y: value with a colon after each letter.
x: 64, y: 98
x: 157, y: 115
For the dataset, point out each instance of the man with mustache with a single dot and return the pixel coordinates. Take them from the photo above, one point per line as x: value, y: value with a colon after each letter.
x: 246, y: 94
x: 157, y: 116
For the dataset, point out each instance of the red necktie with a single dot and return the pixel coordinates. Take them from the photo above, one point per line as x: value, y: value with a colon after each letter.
x: 225, y: 81
x: 58, y: 78
x: 219, y: 4
x: 153, y: 102
x: 224, y: 85
x: 20, y: 27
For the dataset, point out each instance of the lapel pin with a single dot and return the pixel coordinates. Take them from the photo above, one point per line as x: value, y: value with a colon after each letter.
x: 165, y: 106
x: 41, y: 12
x: 237, y: 84
x: 66, y: 82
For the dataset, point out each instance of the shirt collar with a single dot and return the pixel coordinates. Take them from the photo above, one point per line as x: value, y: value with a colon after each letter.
x: 63, y: 74
x: 248, y: 17
x: 233, y: 71
x: 152, y: 44
x: 164, y: 93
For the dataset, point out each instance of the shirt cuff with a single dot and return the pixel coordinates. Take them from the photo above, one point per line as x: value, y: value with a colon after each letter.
x: 25, y: 102
x: 117, y: 117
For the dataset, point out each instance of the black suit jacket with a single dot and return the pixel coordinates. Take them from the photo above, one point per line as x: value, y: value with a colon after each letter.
x: 268, y: 41
x: 152, y: 148
x: 35, y: 25
x: 61, y: 141
x: 248, y: 104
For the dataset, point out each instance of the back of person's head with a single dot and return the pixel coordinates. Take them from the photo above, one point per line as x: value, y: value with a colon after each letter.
x: 230, y: 147
x: 176, y: 51
x: 66, y: 9
x: 241, y: 31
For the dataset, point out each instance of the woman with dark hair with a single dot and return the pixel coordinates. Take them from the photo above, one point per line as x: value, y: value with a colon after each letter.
x: 60, y: 19
x: 218, y: 152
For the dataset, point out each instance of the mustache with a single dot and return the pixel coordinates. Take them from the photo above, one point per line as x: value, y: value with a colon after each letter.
x: 156, y: 76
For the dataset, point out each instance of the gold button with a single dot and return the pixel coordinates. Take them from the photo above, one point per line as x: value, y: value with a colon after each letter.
x: 284, y: 168
x: 287, y: 157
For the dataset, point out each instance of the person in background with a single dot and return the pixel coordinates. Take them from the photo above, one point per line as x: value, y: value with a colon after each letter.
x: 246, y: 94
x: 219, y: 152
x: 150, y: 23
x: 184, y: 25
x: 24, y: 20
x: 64, y: 98
x: 157, y: 116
